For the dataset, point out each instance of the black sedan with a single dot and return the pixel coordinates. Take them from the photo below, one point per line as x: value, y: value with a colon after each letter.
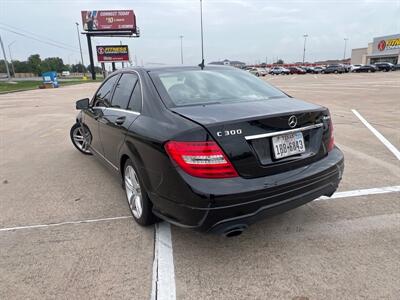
x: 334, y: 69
x: 365, y: 68
x: 213, y: 149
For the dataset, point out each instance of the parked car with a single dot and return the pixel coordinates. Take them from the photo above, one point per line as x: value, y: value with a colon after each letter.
x: 214, y: 150
x: 296, y: 70
x: 334, y: 69
x: 366, y: 68
x: 354, y: 67
x: 308, y: 69
x: 65, y: 73
x: 384, y: 66
x: 347, y: 68
x: 279, y: 71
x: 317, y: 70
x: 258, y: 71
x: 396, y: 67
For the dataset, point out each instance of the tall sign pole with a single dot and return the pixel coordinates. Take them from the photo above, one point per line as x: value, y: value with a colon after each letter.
x: 345, y: 46
x: 304, y: 48
x: 181, y: 37
x: 5, y: 59
x: 89, y: 42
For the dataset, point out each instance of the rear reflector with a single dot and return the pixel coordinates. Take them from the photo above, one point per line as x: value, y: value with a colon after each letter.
x: 201, y: 159
x: 331, y: 144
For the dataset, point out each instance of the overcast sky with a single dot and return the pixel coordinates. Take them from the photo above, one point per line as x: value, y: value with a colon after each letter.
x: 242, y: 30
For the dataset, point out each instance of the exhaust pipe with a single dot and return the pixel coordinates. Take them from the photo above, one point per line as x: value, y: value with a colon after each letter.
x: 235, y: 231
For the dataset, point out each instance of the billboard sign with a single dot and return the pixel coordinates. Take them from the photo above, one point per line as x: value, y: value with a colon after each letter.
x: 386, y: 45
x: 107, y: 20
x: 113, y: 53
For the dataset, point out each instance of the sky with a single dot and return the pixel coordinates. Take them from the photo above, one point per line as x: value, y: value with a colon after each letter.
x: 248, y: 31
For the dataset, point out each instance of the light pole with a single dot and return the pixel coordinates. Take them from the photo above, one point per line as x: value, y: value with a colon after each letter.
x: 304, y: 48
x: 181, y: 37
x: 80, y: 47
x: 201, y: 27
x: 12, y: 64
x: 345, y: 46
x: 5, y: 59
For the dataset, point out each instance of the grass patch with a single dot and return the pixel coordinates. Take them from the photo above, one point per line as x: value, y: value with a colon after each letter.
x: 6, y: 87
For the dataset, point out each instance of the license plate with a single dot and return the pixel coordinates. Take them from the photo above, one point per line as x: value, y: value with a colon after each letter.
x: 288, y: 144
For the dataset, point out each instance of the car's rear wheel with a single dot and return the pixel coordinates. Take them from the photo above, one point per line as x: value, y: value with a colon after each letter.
x: 138, y: 200
x: 81, y: 138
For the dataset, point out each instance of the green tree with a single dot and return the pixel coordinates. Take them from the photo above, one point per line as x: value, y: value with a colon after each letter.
x: 280, y: 62
x: 52, y: 64
x: 21, y: 66
x: 34, y: 62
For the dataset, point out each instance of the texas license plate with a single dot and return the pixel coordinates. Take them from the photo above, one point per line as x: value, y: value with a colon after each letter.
x: 288, y: 144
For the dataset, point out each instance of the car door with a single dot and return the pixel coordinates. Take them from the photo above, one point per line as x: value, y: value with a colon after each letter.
x: 91, y: 116
x: 124, y: 109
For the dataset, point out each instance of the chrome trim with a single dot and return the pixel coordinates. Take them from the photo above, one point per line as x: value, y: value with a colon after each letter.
x: 97, y: 152
x: 141, y: 86
x: 123, y: 110
x: 264, y: 135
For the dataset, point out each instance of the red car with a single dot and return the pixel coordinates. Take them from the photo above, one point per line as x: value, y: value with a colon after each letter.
x: 296, y: 70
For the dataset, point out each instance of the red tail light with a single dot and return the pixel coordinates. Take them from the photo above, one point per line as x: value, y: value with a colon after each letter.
x: 331, y: 144
x: 201, y: 159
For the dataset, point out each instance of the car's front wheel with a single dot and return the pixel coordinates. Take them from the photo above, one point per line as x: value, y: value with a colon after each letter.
x: 81, y: 138
x: 138, y: 200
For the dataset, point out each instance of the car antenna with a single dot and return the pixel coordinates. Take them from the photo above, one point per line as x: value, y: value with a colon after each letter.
x: 201, y: 65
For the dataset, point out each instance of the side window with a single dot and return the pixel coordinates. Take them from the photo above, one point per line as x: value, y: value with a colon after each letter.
x: 103, y: 95
x: 123, y: 90
x: 135, y: 103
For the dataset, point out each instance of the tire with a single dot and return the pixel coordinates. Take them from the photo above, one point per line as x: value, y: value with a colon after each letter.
x: 258, y: 75
x: 136, y: 195
x: 81, y: 139
x: 335, y: 72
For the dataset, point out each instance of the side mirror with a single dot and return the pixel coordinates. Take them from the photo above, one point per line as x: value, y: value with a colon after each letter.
x: 82, y: 104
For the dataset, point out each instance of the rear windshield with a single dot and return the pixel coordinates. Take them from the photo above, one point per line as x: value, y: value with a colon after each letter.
x: 198, y: 87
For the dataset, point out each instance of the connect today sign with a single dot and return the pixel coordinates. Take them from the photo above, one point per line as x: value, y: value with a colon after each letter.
x: 106, y: 20
x: 113, y: 53
x: 387, y: 45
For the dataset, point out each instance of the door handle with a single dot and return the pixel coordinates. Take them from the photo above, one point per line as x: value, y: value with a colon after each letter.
x: 120, y: 120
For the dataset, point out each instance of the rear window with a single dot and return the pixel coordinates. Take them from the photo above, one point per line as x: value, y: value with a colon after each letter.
x: 198, y: 87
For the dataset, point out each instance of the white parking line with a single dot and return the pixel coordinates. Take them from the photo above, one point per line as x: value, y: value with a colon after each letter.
x: 163, y: 285
x: 62, y: 223
x: 388, y: 145
x: 364, y: 192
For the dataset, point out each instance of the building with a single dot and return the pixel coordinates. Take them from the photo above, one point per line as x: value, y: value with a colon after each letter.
x: 228, y: 62
x: 382, y: 49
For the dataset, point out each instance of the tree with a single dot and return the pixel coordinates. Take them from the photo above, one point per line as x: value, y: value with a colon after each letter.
x: 78, y: 68
x: 52, y: 64
x: 280, y: 62
x: 21, y: 66
x: 34, y: 62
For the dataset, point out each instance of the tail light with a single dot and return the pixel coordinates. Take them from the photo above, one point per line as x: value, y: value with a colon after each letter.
x: 201, y: 159
x: 331, y: 144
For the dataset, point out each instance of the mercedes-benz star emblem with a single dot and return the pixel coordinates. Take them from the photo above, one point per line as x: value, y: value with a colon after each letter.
x: 292, y: 122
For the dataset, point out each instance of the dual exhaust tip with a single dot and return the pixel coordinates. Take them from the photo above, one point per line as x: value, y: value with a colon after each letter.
x: 235, y: 230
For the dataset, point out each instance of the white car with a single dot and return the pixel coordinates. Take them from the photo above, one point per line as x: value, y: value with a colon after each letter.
x: 65, y: 73
x: 258, y: 71
x: 354, y: 67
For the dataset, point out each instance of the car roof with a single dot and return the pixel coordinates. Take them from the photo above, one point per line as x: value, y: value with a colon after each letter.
x: 174, y: 68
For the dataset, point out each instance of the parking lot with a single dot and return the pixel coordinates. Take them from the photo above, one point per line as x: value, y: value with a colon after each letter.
x: 66, y: 230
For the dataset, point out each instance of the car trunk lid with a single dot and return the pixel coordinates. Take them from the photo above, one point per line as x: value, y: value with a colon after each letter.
x: 245, y: 132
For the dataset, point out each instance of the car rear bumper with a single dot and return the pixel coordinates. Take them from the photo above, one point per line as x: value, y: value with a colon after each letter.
x: 240, y: 202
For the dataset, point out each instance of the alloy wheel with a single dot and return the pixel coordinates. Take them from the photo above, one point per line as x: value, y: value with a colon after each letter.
x: 133, y: 191
x: 82, y: 139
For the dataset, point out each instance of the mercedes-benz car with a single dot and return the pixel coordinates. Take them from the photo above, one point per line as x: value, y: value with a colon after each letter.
x: 212, y: 148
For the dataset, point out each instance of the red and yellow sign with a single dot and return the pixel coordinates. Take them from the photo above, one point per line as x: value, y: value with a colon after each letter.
x: 389, y: 44
x: 112, y: 53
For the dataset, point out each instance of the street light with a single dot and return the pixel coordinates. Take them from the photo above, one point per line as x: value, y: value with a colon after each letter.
x: 80, y: 47
x: 201, y: 27
x: 181, y: 37
x: 12, y: 64
x: 345, y: 46
x: 304, y: 49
